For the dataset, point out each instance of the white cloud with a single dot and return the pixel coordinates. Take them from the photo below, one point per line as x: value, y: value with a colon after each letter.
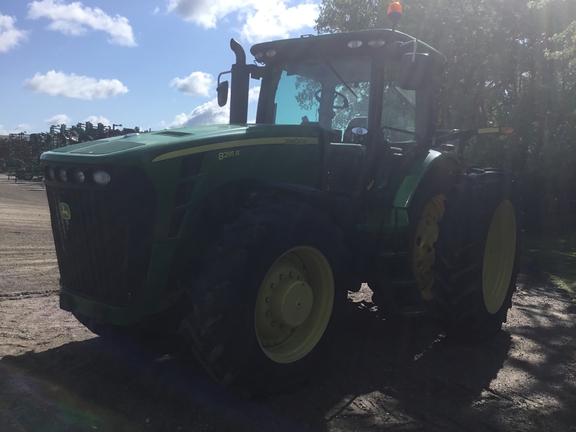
x: 203, y: 12
x: 253, y: 94
x: 98, y: 119
x: 3, y: 131
x: 274, y: 20
x: 197, y: 84
x: 58, y: 119
x: 22, y: 128
x: 10, y: 36
x: 75, y: 86
x: 263, y: 19
x: 75, y: 19
x: 208, y: 113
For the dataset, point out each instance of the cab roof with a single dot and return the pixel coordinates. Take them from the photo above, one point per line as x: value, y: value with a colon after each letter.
x: 357, y: 43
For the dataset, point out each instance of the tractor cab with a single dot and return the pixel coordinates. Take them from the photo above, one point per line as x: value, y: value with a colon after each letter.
x: 347, y: 84
x: 370, y: 93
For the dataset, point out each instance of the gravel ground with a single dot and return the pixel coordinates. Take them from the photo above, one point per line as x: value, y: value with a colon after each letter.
x: 399, y: 375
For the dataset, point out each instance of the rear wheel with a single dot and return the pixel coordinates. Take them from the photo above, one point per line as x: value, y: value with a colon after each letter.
x: 423, y: 240
x: 425, y: 212
x: 264, y: 305
x: 477, y: 255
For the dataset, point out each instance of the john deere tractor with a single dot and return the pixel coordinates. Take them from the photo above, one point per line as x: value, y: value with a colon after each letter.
x: 246, y: 237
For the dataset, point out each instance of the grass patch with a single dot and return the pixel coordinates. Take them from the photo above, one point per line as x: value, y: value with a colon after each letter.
x: 555, y: 257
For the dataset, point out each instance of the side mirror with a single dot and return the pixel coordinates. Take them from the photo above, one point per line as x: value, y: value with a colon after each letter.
x: 222, y: 90
x: 416, y: 71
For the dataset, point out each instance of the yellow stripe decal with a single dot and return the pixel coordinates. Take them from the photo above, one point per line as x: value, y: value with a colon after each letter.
x: 238, y: 143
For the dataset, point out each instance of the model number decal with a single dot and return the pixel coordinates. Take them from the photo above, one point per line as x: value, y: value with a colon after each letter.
x: 296, y: 141
x: 228, y: 154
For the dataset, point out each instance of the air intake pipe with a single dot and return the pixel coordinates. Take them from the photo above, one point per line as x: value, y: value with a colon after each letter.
x: 239, y: 86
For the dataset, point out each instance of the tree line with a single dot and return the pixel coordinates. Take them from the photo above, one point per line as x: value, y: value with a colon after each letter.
x: 510, y: 62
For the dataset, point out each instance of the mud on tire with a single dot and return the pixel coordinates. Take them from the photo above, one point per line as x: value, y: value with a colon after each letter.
x: 477, y: 254
x: 264, y: 305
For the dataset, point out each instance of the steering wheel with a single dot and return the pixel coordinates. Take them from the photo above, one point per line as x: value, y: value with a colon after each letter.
x: 345, y: 102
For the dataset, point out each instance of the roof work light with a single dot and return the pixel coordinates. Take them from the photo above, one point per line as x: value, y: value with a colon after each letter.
x: 394, y: 13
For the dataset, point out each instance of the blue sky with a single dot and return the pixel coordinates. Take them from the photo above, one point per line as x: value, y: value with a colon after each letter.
x: 151, y: 64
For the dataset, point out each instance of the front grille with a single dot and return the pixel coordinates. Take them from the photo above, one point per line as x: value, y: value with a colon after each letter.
x: 105, y: 242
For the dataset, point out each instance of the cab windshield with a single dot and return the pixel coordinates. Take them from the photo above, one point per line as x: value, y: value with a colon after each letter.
x: 335, y: 95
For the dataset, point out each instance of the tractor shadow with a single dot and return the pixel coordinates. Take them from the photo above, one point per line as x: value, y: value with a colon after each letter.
x: 397, y: 374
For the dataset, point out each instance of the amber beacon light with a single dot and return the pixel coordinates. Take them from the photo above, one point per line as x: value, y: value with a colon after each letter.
x: 394, y: 13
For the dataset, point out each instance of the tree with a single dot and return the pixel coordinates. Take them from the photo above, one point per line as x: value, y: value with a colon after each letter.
x: 510, y: 62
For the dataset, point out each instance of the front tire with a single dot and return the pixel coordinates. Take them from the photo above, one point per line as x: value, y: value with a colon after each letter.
x: 263, y: 307
x: 477, y: 255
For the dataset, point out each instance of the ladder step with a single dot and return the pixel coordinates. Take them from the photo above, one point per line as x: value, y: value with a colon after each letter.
x: 404, y: 283
x: 394, y: 254
x: 415, y: 310
x: 408, y: 298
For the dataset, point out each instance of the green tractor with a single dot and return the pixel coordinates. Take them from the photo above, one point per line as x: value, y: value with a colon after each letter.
x: 245, y: 238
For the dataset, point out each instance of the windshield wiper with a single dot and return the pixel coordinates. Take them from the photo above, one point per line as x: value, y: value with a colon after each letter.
x: 393, y: 86
x: 341, y: 79
x: 399, y: 130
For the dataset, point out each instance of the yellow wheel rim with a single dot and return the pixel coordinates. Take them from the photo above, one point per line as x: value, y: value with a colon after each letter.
x: 423, y: 252
x: 499, y: 255
x: 294, y: 304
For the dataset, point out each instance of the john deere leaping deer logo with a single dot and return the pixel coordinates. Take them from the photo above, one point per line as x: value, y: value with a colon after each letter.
x: 65, y: 211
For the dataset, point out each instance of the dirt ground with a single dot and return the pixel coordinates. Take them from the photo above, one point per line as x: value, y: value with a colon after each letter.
x: 395, y: 376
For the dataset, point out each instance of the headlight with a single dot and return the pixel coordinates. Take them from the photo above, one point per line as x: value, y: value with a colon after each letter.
x: 50, y: 173
x: 62, y: 175
x: 376, y: 43
x: 101, y: 178
x: 79, y: 176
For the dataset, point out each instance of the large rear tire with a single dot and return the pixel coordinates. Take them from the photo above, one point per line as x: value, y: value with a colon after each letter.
x: 425, y: 213
x: 264, y: 305
x: 477, y: 254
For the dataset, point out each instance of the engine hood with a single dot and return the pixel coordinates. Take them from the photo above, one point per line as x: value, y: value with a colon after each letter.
x: 172, y: 143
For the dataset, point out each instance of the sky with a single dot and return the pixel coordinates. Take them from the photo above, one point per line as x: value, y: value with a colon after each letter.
x: 153, y: 64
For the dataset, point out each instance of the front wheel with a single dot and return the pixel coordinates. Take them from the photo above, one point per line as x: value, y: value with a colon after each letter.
x: 294, y: 304
x: 264, y: 306
x: 477, y: 254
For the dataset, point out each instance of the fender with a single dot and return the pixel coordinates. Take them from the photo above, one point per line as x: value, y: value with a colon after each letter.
x: 422, y: 165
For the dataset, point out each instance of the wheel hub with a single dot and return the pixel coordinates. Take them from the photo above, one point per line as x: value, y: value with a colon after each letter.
x: 284, y: 302
x: 294, y: 304
x: 291, y: 302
